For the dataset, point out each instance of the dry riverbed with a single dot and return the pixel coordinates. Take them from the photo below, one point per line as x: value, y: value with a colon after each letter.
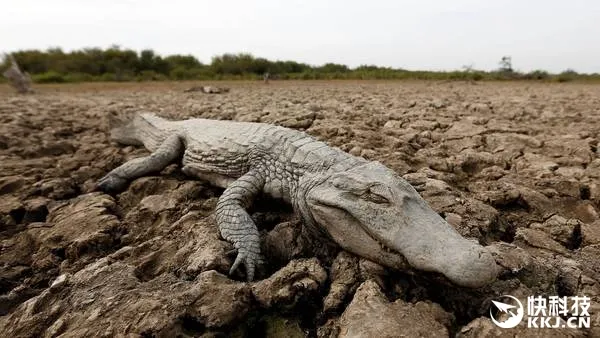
x: 513, y: 165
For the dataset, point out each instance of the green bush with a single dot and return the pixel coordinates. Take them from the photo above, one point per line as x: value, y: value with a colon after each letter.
x: 107, y: 77
x: 150, y: 75
x: 197, y: 73
x: 78, y: 77
x: 49, y: 77
x: 537, y: 75
x: 567, y: 75
x: 180, y: 73
x: 115, y: 64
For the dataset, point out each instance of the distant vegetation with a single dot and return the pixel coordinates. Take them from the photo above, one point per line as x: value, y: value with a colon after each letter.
x: 117, y: 64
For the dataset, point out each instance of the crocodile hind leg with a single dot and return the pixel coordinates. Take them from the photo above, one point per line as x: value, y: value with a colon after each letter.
x: 168, y: 151
x: 235, y: 224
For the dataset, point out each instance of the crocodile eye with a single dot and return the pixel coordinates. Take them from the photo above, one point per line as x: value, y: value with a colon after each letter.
x: 376, y: 193
x: 374, y: 197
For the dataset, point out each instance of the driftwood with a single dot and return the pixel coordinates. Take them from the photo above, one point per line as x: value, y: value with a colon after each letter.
x: 208, y: 89
x: 19, y: 80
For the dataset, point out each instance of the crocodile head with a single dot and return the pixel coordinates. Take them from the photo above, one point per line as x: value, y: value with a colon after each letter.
x: 371, y: 211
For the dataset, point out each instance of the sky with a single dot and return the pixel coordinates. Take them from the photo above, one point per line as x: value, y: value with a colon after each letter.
x: 553, y: 35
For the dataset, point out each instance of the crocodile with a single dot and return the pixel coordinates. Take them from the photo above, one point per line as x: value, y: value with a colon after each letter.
x: 361, y: 206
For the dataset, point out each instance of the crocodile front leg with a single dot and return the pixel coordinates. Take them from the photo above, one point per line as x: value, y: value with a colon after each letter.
x: 116, y: 180
x: 235, y: 224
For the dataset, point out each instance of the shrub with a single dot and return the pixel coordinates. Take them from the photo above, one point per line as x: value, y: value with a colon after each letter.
x: 150, y: 75
x: 116, y: 64
x: 48, y: 77
x: 106, y: 77
x: 567, y: 75
x: 180, y: 73
x: 537, y: 75
x: 78, y: 77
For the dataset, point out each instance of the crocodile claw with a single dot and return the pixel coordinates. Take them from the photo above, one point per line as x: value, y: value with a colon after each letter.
x: 111, y: 183
x: 250, y: 260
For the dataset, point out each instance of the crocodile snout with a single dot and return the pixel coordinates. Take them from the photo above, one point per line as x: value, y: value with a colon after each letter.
x: 474, y: 267
x: 440, y: 248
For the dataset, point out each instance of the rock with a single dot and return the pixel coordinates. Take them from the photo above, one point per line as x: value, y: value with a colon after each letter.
x: 218, y: 301
x: 470, y: 162
x: 570, y: 276
x: 356, y: 151
x: 373, y: 271
x: 588, y: 261
x: 535, y: 163
x: 454, y: 219
x: 76, y: 230
x: 204, y: 249
x: 424, y: 138
x: 10, y: 205
x: 538, y: 239
x: 393, y: 124
x: 303, y: 120
x: 534, y: 200
x: 462, y: 129
x: 157, y: 203
x: 585, y: 211
x: 60, y: 188
x: 80, y: 226
x: 578, y: 150
x: 60, y: 282
x: 368, y: 153
x: 437, y: 104
x: 429, y: 186
x: 575, y: 172
x: 511, y: 257
x: 537, y: 273
x: 283, y: 242
x: 565, y: 231
x: 344, y: 273
x: 370, y: 314
x: 156, y: 307
x: 423, y: 125
x: 282, y: 327
x: 145, y: 186
x: 82, y: 174
x: 499, y: 195
x: 286, y: 286
x: 36, y: 210
x: 56, y: 148
x: 590, y: 233
x: 482, y: 108
x: 478, y: 218
x: 10, y: 184
x: 329, y: 329
x: 528, y: 140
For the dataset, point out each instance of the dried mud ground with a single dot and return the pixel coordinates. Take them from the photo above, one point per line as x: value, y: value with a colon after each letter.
x: 512, y: 165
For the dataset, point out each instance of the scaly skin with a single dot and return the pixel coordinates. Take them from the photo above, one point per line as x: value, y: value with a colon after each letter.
x: 362, y: 206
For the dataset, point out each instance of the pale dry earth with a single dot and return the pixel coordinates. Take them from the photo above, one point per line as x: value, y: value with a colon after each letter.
x: 512, y: 165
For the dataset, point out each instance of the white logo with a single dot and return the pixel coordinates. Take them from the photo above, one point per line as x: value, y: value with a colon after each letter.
x: 515, y: 313
x: 543, y: 312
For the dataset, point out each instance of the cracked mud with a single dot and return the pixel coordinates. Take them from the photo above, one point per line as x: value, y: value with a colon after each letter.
x: 514, y: 166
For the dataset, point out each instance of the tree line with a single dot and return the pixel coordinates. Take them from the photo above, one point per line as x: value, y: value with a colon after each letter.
x: 117, y: 64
